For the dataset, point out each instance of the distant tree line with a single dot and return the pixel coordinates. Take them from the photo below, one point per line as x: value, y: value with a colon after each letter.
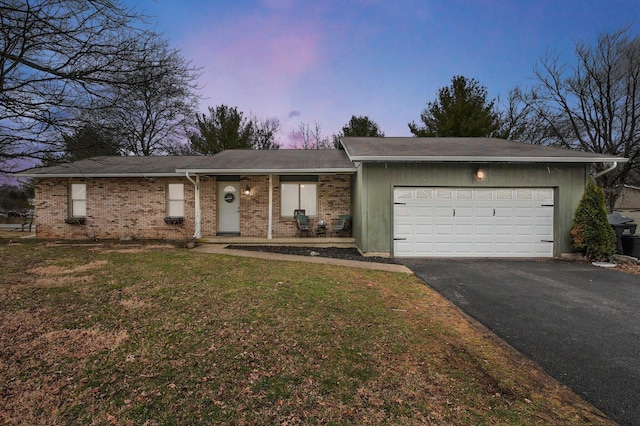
x: 13, y: 198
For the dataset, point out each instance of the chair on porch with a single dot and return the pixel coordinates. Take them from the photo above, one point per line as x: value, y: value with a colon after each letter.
x: 303, y: 225
x: 343, y: 226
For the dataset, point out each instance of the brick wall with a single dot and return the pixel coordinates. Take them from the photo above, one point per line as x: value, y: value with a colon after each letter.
x: 208, y: 206
x: 116, y: 208
x: 334, y: 199
x: 254, y: 208
x: 136, y: 207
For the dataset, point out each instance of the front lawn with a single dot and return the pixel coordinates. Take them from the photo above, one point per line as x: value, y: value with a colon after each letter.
x: 127, y: 334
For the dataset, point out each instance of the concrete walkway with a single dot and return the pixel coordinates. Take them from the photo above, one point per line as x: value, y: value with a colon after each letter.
x: 220, y: 249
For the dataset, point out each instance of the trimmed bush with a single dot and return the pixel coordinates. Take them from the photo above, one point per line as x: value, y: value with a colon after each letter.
x: 591, y: 233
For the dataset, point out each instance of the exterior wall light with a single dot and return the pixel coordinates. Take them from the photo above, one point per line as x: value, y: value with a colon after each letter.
x: 480, y: 174
x: 247, y: 191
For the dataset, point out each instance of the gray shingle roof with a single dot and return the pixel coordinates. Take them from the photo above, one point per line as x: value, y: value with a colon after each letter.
x: 293, y: 161
x: 462, y: 150
x: 115, y: 167
x: 284, y: 161
x: 227, y: 162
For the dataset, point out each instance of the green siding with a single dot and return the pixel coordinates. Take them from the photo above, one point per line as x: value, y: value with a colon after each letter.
x: 357, y: 201
x: 374, y: 183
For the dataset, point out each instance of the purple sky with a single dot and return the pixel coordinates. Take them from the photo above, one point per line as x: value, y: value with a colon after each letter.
x: 324, y: 61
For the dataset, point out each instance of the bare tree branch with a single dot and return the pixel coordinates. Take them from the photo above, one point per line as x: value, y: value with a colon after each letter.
x: 594, y: 105
x: 58, y: 60
x: 310, y: 137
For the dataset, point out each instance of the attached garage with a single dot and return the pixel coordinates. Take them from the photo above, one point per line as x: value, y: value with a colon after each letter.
x: 466, y: 197
x: 473, y: 222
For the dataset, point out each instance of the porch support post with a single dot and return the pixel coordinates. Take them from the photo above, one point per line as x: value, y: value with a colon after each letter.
x: 270, y: 231
x: 196, y: 185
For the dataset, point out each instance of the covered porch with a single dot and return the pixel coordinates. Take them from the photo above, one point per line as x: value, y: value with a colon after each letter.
x: 251, y: 197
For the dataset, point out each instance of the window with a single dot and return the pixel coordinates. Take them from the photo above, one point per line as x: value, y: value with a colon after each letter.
x: 295, y: 196
x: 175, y: 200
x: 77, y: 200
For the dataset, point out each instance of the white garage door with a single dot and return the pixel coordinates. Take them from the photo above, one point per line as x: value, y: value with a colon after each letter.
x: 466, y: 222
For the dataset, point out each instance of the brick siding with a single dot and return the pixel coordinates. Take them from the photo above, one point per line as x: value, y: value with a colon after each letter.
x: 136, y: 207
x: 116, y: 208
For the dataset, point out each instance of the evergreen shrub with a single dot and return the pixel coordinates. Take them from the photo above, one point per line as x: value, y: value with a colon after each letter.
x: 591, y: 233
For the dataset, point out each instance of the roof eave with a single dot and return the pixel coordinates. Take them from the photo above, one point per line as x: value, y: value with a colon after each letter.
x: 351, y: 170
x: 96, y: 175
x: 476, y: 159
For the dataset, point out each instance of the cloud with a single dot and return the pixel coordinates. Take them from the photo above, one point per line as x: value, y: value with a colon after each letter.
x: 260, y: 61
x: 260, y: 54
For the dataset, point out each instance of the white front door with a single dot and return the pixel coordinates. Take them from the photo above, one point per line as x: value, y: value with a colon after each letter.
x: 229, y: 207
x: 473, y: 222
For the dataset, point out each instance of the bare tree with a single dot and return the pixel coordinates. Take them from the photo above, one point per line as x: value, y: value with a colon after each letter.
x: 149, y: 114
x: 265, y: 133
x: 58, y: 59
x: 310, y: 137
x: 593, y: 104
x: 520, y: 121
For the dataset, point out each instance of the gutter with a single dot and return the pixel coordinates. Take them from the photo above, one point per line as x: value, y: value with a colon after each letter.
x: 350, y: 170
x: 198, y: 231
x: 483, y: 159
x: 94, y: 175
x: 607, y: 170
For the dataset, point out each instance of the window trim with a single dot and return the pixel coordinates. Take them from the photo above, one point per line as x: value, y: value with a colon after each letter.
x: 71, y: 201
x: 299, y: 183
x: 170, y: 200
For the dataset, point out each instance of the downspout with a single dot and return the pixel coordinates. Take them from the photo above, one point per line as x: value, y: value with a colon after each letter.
x: 196, y: 184
x: 270, y: 232
x: 605, y: 171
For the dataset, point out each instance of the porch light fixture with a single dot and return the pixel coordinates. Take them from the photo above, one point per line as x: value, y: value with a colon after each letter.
x: 247, y: 191
x: 480, y: 174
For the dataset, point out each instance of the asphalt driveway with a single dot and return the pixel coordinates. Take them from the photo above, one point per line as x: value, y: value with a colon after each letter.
x: 581, y: 323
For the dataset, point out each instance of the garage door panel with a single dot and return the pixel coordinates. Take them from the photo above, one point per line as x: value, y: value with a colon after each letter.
x: 402, y: 228
x: 483, y: 212
x: 464, y: 212
x: 483, y: 247
x: 445, y: 247
x: 443, y: 229
x: 464, y: 248
x: 423, y: 212
x: 484, y: 230
x: 468, y: 222
x: 423, y: 230
x: 404, y: 246
x: 443, y: 212
x: 423, y: 247
x: 505, y: 247
x: 501, y: 230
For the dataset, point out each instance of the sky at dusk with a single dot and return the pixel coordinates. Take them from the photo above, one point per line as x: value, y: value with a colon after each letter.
x: 324, y: 61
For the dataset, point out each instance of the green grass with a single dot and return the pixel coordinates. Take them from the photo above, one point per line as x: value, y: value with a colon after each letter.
x: 128, y: 334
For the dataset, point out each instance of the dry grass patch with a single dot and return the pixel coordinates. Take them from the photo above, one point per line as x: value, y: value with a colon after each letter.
x: 137, y: 248
x: 53, y: 270
x: 58, y: 345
